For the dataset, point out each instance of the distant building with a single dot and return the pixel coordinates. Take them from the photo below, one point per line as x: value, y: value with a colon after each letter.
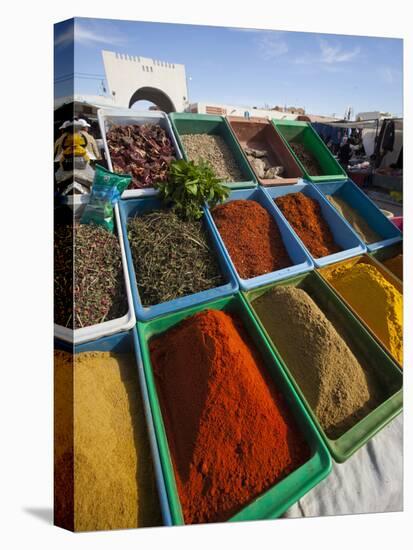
x: 224, y: 109
x: 373, y: 115
x: 132, y: 78
x: 291, y: 110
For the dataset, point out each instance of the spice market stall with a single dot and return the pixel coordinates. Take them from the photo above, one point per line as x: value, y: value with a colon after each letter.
x: 264, y: 324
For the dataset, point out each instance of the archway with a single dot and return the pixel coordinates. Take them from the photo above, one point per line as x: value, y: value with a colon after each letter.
x: 156, y: 96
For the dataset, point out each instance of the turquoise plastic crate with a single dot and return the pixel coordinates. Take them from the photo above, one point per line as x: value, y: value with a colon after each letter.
x: 355, y: 197
x: 123, y: 343
x: 343, y: 234
x: 301, y: 260
x: 132, y: 207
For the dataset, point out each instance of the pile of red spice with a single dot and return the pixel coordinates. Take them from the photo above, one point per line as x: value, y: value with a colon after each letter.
x: 252, y: 238
x: 229, y: 432
x: 304, y: 214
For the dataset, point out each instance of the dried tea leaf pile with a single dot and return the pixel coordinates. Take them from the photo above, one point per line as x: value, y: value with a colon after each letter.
x: 213, y: 149
x: 172, y: 257
x: 89, y: 282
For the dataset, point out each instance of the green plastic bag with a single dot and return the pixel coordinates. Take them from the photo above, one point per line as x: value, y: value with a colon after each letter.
x: 107, y: 188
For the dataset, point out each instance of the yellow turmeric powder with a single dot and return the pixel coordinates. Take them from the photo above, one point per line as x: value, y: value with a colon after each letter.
x: 103, y: 471
x: 375, y: 299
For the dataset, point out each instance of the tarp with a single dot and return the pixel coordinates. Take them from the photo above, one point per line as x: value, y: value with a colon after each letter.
x: 373, y: 123
x: 370, y: 481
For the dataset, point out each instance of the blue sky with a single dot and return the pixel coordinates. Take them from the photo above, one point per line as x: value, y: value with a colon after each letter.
x: 324, y: 73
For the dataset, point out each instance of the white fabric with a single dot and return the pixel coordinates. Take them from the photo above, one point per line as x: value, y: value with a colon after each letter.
x: 370, y: 481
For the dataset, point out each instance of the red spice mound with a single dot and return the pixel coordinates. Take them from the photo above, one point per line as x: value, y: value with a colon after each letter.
x: 230, y: 435
x: 252, y: 238
x: 304, y: 214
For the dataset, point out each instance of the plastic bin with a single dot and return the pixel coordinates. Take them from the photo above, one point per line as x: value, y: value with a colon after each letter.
x: 124, y: 343
x: 386, y: 274
x: 303, y: 132
x: 106, y: 328
x: 276, y: 500
x: 364, y: 347
x: 262, y: 135
x: 189, y: 123
x: 398, y: 222
x: 301, y: 260
x: 355, y: 197
x: 123, y: 117
x: 383, y: 254
x: 343, y: 233
x: 139, y: 207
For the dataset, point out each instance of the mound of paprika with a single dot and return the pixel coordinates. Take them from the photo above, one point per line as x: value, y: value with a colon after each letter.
x: 230, y: 434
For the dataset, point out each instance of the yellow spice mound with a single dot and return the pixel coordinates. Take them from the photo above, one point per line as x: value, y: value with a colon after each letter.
x: 376, y: 300
x: 113, y: 482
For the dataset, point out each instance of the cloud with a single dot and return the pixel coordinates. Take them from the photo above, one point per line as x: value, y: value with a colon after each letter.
x: 88, y: 36
x: 272, y: 46
x: 236, y: 29
x: 334, y: 54
x: 64, y: 38
x: 328, y: 55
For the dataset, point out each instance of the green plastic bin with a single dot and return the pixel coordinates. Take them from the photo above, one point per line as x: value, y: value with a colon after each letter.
x: 281, y: 496
x: 325, y: 271
x: 192, y: 123
x: 364, y: 347
x: 303, y: 132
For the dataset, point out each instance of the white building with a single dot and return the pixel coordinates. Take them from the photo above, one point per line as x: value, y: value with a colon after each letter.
x: 234, y: 110
x: 131, y: 78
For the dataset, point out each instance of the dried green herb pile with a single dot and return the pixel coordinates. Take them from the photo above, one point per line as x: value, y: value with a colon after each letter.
x: 172, y: 257
x: 89, y: 283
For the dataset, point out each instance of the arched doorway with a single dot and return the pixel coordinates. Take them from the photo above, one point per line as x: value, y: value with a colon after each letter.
x: 156, y: 96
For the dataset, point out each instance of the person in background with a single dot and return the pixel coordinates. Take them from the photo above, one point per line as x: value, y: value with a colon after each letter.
x: 345, y: 152
x: 81, y: 126
x: 58, y: 146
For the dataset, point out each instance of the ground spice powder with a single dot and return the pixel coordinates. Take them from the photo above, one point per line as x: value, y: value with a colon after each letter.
x: 337, y: 388
x: 375, y: 299
x: 230, y: 435
x: 252, y: 238
x: 103, y: 470
x: 304, y: 214
x: 356, y: 220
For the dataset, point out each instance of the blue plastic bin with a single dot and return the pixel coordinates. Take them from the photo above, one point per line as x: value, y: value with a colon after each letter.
x: 122, y: 343
x: 355, y: 197
x: 138, y: 207
x: 343, y: 234
x: 301, y: 260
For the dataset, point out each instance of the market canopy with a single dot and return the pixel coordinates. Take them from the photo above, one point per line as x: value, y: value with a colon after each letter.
x: 371, y: 123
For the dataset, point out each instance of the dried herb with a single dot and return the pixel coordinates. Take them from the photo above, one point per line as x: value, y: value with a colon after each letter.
x: 190, y: 186
x: 307, y: 159
x: 215, y: 150
x: 172, y: 257
x: 142, y: 150
x: 89, y: 284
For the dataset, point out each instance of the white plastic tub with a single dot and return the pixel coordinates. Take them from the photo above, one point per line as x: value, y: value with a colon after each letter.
x: 123, y: 117
x: 106, y: 328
